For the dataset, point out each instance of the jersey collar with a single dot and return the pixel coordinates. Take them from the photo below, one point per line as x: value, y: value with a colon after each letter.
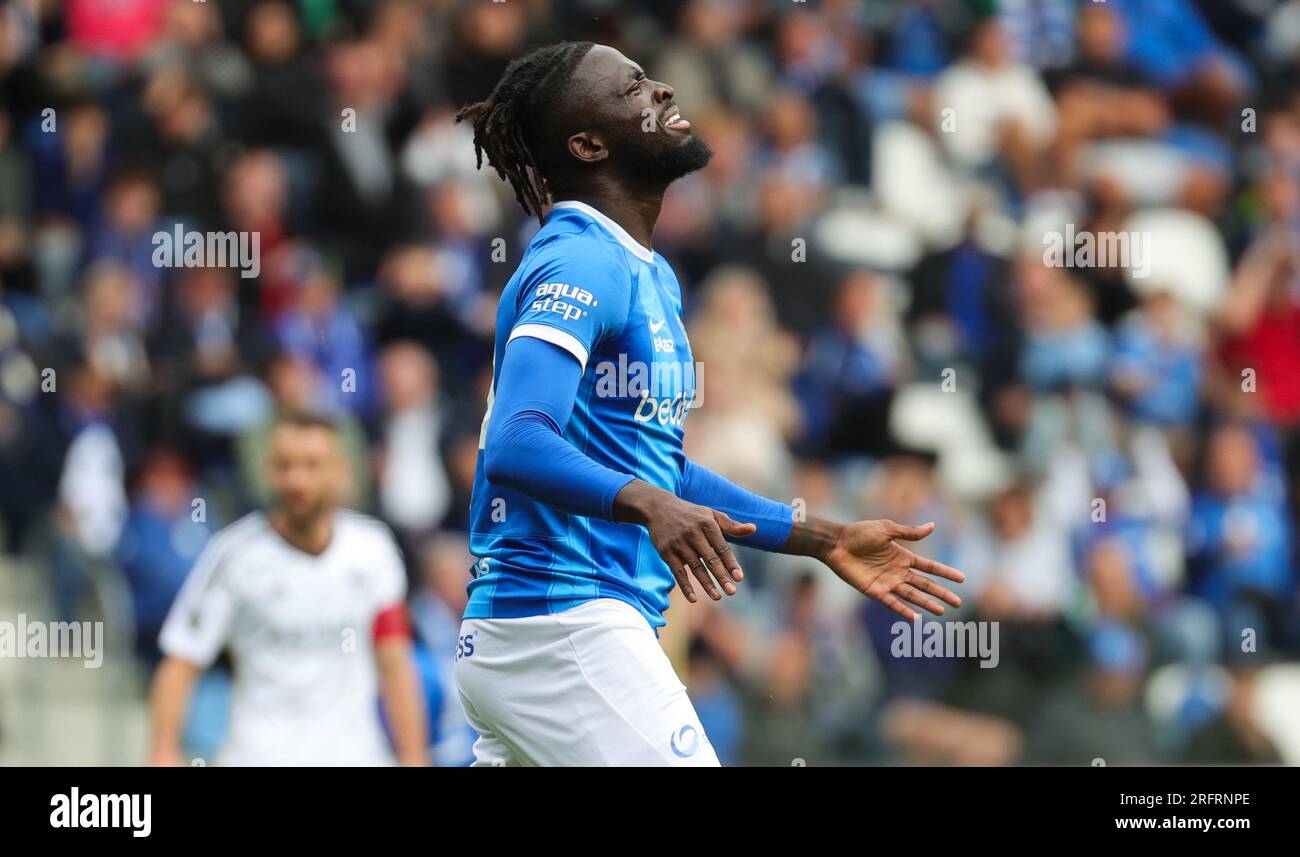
x: 645, y: 254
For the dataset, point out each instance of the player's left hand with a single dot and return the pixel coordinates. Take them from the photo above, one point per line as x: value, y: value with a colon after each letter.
x: 868, y: 557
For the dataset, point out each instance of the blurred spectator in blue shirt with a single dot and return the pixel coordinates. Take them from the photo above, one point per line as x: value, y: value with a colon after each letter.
x: 1156, y: 363
x: 1041, y: 32
x: 919, y: 40
x: 319, y: 329
x: 1172, y: 45
x: 163, y: 535
x: 71, y: 168
x: 125, y: 233
x: 1065, y: 344
x: 850, y: 364
x: 1239, y: 539
x: 1168, y: 39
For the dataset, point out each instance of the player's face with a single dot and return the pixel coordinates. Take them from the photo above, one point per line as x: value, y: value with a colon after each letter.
x: 305, y: 470
x: 638, y: 119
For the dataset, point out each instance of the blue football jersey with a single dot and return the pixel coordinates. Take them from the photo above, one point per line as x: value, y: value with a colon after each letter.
x: 586, y: 286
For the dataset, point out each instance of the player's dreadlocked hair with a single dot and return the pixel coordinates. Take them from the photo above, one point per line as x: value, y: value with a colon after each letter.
x: 505, y: 126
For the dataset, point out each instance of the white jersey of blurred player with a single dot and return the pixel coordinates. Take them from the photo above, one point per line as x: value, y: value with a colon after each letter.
x: 301, y: 630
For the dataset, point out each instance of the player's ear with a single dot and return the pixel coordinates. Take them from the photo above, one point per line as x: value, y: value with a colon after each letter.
x: 588, y: 147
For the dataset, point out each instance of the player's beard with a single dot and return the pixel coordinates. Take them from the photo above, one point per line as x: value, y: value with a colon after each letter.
x: 306, y: 516
x: 661, y: 157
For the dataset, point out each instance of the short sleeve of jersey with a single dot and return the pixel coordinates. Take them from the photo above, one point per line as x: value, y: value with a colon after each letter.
x: 199, y: 621
x: 389, y: 572
x: 574, y: 293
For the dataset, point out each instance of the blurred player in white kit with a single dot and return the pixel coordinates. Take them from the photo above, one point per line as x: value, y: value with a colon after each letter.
x: 309, y: 600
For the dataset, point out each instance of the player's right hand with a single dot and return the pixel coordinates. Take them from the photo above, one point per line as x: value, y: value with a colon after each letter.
x: 689, y: 538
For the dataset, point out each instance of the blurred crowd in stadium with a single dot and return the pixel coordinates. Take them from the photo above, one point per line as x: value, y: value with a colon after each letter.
x: 1112, y: 459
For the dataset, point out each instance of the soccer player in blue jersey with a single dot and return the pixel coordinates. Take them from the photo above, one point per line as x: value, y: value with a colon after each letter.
x: 585, y: 509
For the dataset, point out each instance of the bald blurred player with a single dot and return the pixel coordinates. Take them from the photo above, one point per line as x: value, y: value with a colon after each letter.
x: 309, y: 599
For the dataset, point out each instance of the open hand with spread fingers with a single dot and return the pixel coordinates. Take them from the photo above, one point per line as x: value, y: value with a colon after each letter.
x: 867, y: 555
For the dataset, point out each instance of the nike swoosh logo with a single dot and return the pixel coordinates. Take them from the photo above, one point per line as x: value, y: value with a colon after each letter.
x: 655, y: 328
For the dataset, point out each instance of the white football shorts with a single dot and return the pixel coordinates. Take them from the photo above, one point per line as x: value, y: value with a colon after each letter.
x: 586, y: 687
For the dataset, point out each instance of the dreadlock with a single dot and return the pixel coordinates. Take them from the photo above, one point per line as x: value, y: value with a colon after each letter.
x: 503, y: 123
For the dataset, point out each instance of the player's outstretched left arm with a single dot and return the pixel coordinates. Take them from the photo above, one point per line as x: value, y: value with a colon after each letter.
x: 867, y: 555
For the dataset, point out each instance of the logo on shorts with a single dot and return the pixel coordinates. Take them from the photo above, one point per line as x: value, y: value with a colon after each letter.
x: 685, y: 741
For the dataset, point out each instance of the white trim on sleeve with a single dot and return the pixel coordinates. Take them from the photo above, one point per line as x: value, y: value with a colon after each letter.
x: 555, y: 336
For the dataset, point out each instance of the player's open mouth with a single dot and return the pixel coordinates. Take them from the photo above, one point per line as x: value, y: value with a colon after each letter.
x: 675, y: 121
